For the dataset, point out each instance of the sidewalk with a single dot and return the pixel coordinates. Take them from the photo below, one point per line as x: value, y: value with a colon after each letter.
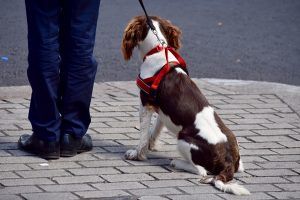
x: 264, y: 117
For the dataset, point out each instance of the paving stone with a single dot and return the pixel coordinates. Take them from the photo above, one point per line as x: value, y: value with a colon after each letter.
x: 278, y: 125
x: 252, y: 196
x: 155, y: 191
x: 152, y: 198
x: 233, y: 106
x: 123, y: 124
x: 98, y: 125
x: 127, y: 177
x: 109, y: 156
x: 94, y: 171
x: 18, y: 190
x: 116, y: 130
x: 13, y: 167
x: 270, y: 139
x: 79, y: 157
x: 174, y: 175
x: 289, y: 187
x: 110, y: 136
x: 259, y: 180
x: 245, y: 127
x: 102, y: 194
x: 104, y: 143
x: 282, y: 158
x: 104, y: 163
x: 275, y: 132
x: 272, y: 172
x: 55, y: 165
x: 27, y: 181
x: 296, y: 137
x: 4, y: 175
x: 252, y: 159
x: 295, y: 151
x: 67, y: 188
x: 4, y: 153
x: 167, y: 183
x: 259, y: 146
x: 250, y: 121
x: 109, y: 114
x: 49, y: 196
x: 261, y: 110
x: 259, y: 116
x: 10, y: 197
x: 285, y: 195
x: 256, y: 152
x: 43, y: 173
x: 245, y: 96
x: 290, y: 144
x: 77, y: 179
x: 240, y: 133
x: 118, y: 186
x: 23, y: 159
x: 294, y: 179
x: 200, y: 189
x: 278, y: 165
x: 232, y: 111
x: 158, y: 161
x: 253, y: 188
x: 194, y: 197
x: 141, y: 169
x: 115, y: 109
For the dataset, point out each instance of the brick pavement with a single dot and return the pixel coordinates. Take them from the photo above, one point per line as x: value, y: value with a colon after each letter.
x: 267, y: 129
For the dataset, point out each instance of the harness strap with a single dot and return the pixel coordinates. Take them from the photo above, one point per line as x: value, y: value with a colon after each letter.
x: 150, y: 85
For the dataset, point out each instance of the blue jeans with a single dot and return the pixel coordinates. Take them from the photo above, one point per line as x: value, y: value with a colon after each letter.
x: 62, y: 69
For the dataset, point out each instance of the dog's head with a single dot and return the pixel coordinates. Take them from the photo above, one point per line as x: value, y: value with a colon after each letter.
x: 137, y: 33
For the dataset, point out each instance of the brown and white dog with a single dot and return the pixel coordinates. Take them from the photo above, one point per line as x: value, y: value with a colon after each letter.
x: 204, y: 141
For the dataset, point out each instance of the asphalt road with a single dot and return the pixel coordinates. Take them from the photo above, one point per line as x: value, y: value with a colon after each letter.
x: 232, y: 39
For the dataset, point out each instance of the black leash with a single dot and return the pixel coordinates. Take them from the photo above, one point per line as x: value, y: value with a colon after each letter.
x: 149, y: 21
x: 150, y: 24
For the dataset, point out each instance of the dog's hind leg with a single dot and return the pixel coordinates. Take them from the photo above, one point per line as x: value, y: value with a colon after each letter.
x: 141, y: 150
x: 156, y: 130
x: 189, y: 167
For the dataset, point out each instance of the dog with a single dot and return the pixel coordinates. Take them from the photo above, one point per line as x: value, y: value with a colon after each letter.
x: 204, y: 141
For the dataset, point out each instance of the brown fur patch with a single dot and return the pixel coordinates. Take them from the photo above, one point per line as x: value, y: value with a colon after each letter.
x: 137, y: 29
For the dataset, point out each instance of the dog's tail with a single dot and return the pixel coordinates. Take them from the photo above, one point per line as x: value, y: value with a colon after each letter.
x: 233, y: 188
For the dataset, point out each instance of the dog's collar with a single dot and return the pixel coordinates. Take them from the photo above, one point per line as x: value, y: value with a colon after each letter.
x: 155, y: 50
x: 150, y: 85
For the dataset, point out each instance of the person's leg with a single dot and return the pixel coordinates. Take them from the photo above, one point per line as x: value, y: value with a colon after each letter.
x: 78, y: 67
x: 43, y: 75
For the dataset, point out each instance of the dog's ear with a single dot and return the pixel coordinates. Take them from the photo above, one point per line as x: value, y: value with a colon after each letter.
x: 135, y: 32
x: 172, y: 33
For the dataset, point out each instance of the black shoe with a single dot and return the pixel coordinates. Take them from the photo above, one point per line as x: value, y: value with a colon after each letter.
x: 46, y: 150
x: 70, y: 146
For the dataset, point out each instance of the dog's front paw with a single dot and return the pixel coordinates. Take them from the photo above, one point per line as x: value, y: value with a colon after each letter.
x: 132, y: 154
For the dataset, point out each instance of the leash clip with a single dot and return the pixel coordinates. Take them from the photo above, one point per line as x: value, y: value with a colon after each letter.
x: 161, y: 41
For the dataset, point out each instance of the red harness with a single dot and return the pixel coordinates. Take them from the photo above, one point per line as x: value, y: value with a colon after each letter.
x: 150, y: 85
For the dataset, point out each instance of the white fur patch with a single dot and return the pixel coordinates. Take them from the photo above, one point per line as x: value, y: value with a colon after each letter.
x: 168, y: 123
x: 154, y: 62
x: 209, y: 130
x: 151, y: 40
x: 179, y: 70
